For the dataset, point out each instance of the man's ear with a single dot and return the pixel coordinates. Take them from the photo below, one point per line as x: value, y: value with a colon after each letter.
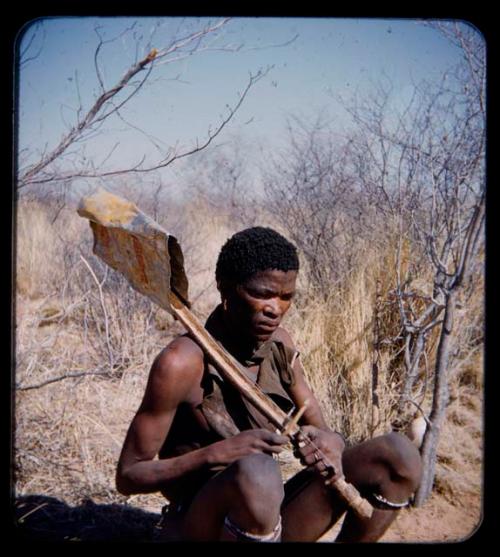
x: 226, y: 289
x: 222, y: 288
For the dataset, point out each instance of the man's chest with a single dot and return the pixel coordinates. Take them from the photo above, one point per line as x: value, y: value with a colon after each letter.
x: 216, y: 399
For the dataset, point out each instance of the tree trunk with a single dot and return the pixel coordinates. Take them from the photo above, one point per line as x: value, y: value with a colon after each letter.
x: 412, y: 369
x: 439, y: 403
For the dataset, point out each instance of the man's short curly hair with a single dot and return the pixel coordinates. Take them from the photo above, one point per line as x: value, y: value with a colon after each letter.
x: 252, y: 250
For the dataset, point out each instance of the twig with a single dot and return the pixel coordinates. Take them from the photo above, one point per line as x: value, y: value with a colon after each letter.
x: 59, y: 378
x: 38, y: 507
x: 427, y: 421
x: 103, y: 305
x: 295, y: 419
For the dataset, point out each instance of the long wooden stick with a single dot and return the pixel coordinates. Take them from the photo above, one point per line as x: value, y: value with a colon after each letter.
x: 231, y: 371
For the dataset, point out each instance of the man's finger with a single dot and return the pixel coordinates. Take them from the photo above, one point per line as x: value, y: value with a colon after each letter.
x: 306, y: 449
x: 312, y: 458
x: 275, y: 448
x: 271, y: 437
x: 277, y: 439
x: 310, y: 432
x: 300, y: 440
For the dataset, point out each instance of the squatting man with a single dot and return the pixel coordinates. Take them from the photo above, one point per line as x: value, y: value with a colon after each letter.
x: 215, y: 452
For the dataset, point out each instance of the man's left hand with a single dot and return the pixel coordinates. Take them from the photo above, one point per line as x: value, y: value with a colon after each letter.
x: 320, y: 450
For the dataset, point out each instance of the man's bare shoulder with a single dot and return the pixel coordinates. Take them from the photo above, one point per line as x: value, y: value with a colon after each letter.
x: 175, y: 377
x: 181, y: 358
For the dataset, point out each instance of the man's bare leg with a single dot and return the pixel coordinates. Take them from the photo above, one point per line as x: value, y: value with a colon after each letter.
x: 248, y: 494
x: 388, y: 466
x: 310, y: 512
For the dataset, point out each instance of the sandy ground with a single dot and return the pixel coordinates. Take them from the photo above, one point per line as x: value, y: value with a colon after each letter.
x: 437, y: 521
x: 42, y: 518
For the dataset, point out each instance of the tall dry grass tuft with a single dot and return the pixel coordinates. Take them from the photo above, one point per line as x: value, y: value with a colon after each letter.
x: 41, y: 247
x: 335, y: 336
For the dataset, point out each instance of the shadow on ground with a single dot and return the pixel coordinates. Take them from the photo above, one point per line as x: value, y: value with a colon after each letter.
x: 42, y: 518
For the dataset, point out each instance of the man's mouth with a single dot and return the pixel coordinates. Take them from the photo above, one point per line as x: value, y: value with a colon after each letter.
x: 265, y: 328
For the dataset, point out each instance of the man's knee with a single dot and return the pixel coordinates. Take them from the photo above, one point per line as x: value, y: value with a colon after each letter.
x: 256, y: 493
x: 258, y: 474
x: 389, y: 465
x: 258, y: 484
x: 404, y: 459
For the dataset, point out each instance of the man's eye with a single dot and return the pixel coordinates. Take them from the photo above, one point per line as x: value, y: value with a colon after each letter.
x: 257, y: 294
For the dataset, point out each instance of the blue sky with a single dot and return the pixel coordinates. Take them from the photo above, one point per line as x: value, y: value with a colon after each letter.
x: 329, y: 56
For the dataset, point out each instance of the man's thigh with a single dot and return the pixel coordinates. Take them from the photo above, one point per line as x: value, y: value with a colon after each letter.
x: 205, y: 515
x: 309, y: 509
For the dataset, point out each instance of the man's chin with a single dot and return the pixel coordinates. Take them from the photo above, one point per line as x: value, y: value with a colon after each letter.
x: 263, y: 337
x: 258, y: 335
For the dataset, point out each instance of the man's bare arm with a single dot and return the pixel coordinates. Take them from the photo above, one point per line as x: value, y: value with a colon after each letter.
x: 312, y: 423
x: 174, y: 374
x: 300, y: 391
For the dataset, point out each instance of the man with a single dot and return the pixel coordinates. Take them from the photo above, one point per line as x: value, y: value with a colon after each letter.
x: 215, y: 452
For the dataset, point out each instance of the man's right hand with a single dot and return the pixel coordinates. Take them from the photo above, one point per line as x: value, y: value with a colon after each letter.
x: 245, y: 443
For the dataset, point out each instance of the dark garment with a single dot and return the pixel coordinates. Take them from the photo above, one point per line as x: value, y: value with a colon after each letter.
x: 225, y: 411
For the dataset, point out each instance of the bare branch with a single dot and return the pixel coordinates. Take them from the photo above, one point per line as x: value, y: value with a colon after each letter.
x: 25, y: 50
x: 420, y: 409
x: 99, y: 113
x: 137, y: 168
x: 470, y: 243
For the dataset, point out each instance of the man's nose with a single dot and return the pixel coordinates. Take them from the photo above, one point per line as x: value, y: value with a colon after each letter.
x: 273, y: 308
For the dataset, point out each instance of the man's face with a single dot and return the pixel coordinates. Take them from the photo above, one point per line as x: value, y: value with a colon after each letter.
x: 256, y: 307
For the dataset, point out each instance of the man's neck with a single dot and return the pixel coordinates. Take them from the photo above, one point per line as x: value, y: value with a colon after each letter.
x: 239, y: 346
x: 242, y: 348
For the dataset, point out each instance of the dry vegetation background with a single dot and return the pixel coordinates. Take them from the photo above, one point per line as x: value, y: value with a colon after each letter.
x: 388, y: 218
x: 78, y: 320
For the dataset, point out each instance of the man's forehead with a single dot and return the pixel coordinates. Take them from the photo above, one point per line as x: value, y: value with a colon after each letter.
x: 272, y: 277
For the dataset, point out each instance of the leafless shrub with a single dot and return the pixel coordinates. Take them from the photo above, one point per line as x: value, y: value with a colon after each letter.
x: 57, y: 163
x: 310, y: 188
x: 432, y: 171
x: 417, y: 175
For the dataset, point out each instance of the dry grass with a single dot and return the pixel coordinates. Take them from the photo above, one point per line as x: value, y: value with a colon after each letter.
x: 68, y: 433
x: 338, y: 335
x: 334, y: 338
x: 75, y: 318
